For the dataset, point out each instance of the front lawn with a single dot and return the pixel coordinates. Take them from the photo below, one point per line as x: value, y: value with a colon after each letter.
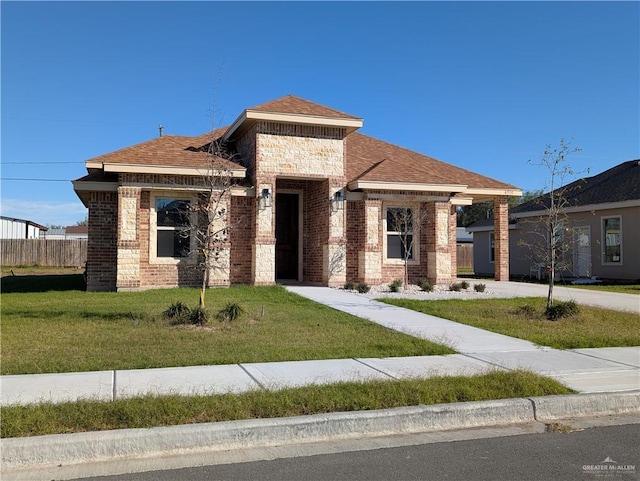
x: 71, y: 330
x: 591, y: 327
x: 145, y: 412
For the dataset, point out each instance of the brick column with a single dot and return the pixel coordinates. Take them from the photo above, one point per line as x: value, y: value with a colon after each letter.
x: 370, y: 253
x: 501, y: 234
x: 335, y: 251
x: 128, y: 271
x: 438, y: 244
x: 263, y: 267
x: 453, y: 240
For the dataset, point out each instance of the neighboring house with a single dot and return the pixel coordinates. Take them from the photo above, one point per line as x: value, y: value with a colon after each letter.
x: 312, y: 201
x: 11, y: 228
x: 601, y: 230
x: 69, y: 232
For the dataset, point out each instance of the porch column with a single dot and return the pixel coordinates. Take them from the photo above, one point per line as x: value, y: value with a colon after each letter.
x: 335, y: 251
x: 370, y: 253
x: 453, y: 240
x: 501, y: 236
x: 438, y: 245
x: 263, y: 267
x: 128, y: 270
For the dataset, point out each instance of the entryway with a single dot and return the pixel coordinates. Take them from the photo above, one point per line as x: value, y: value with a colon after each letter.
x: 287, y: 236
x: 582, y: 251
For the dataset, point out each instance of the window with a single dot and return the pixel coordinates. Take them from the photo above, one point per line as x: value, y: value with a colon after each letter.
x: 399, y: 228
x: 173, y: 231
x: 612, y: 240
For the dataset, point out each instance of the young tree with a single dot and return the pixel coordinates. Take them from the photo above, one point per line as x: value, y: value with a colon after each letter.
x: 546, y: 238
x: 211, y: 212
x: 401, y: 221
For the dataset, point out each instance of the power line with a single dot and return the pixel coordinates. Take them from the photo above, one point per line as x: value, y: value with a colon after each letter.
x: 35, y: 180
x: 44, y: 163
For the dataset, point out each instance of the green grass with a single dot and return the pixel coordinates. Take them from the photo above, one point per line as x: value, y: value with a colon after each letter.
x: 592, y: 327
x: 621, y: 288
x: 145, y: 412
x: 70, y: 330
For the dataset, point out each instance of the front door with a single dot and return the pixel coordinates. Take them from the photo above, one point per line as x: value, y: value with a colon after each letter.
x: 582, y: 251
x: 287, y: 236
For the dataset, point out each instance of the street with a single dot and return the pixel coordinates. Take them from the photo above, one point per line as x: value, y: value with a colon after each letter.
x: 599, y: 453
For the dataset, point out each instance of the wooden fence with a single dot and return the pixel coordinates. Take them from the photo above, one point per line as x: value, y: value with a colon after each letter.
x: 43, y: 252
x: 465, y: 256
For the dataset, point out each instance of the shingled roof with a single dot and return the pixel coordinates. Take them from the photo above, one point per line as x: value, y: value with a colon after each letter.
x: 290, y: 104
x: 367, y: 159
x: 167, y: 151
x: 374, y: 160
x: 618, y: 184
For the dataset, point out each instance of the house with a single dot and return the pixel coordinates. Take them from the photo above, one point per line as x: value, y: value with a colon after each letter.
x: 311, y: 200
x: 601, y: 229
x: 11, y: 228
x: 69, y: 232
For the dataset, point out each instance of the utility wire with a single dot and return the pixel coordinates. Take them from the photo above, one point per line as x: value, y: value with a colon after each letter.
x: 44, y: 163
x: 35, y: 180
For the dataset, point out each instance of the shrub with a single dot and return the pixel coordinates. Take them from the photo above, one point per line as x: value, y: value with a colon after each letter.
x: 231, y: 312
x: 363, y: 288
x: 455, y: 287
x: 464, y: 285
x: 479, y: 287
x: 425, y: 285
x: 526, y: 311
x: 350, y: 286
x: 395, y: 285
x: 177, y: 313
x: 198, y: 316
x: 560, y: 310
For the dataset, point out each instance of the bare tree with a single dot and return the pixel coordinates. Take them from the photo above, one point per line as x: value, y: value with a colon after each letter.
x: 401, y: 223
x: 212, y: 216
x: 546, y: 238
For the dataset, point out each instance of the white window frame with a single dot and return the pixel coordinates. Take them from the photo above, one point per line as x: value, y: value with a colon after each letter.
x: 153, y: 229
x: 604, y: 241
x: 415, y: 233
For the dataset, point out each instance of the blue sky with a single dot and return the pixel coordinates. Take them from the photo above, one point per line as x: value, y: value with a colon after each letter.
x: 481, y: 85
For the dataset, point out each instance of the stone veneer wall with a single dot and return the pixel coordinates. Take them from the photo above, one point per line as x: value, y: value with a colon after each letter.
x: 437, y: 243
x: 315, y: 155
x: 102, y: 251
x: 128, y: 272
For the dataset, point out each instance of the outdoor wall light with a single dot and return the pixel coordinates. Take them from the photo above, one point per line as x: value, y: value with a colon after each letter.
x: 337, y: 202
x: 264, y: 200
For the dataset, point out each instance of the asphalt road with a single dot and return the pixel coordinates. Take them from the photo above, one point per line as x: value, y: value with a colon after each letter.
x: 598, y: 454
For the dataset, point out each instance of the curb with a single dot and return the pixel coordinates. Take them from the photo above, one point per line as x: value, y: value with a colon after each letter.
x: 20, y: 454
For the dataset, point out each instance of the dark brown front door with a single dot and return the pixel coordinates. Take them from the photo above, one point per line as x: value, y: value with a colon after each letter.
x: 287, y: 236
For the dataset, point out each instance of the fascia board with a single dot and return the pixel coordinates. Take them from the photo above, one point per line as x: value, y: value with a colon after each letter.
x: 83, y: 185
x: 494, y: 192
x: 582, y: 208
x: 381, y: 185
x: 166, y: 169
x: 253, y: 115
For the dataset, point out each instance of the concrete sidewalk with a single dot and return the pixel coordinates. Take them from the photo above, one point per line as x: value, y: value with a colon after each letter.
x: 585, y: 370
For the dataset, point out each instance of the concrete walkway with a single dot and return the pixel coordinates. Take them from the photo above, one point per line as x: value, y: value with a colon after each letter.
x: 585, y: 370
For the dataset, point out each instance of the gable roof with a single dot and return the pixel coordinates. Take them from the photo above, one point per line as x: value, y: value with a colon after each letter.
x: 290, y: 104
x: 370, y: 163
x: 618, y: 184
